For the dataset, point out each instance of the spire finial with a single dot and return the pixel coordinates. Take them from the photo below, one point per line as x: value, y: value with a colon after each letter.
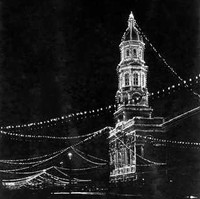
x: 131, y: 20
x: 131, y: 23
x: 131, y: 15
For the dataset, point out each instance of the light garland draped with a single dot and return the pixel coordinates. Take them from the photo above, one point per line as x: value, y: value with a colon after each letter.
x: 96, y: 158
x: 165, y: 62
x: 47, y: 137
x: 84, y: 114
x: 56, y: 154
x: 42, y: 177
x: 86, y: 159
x: 80, y: 169
x: 150, y: 138
x: 54, y: 121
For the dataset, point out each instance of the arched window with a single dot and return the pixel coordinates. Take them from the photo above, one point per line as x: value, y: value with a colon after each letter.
x: 143, y: 80
x: 127, y: 52
x: 134, y: 52
x: 126, y: 79
x: 135, y: 79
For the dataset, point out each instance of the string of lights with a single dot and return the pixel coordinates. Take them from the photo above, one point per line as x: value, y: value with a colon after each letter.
x: 150, y: 138
x: 21, y: 179
x: 21, y: 163
x: 149, y: 161
x: 36, y: 178
x: 96, y: 158
x: 33, y: 158
x: 57, y: 154
x: 34, y: 165
x: 56, y: 178
x: 42, y: 177
x: 80, y: 169
x: 62, y: 172
x: 41, y: 136
x: 20, y: 182
x: 145, y: 165
x: 25, y: 172
x: 168, y: 90
x: 172, y: 122
x: 86, y: 159
x: 85, y: 114
x: 165, y: 62
x: 62, y: 119
x: 46, y: 137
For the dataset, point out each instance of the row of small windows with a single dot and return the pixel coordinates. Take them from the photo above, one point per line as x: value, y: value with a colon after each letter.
x: 135, y: 79
x: 128, y: 52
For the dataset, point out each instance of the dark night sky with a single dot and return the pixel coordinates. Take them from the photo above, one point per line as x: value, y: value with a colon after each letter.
x: 59, y: 56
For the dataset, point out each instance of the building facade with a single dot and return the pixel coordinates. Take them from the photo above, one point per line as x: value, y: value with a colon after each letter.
x: 133, y: 116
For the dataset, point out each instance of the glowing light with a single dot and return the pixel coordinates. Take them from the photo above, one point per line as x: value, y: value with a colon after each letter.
x: 70, y: 155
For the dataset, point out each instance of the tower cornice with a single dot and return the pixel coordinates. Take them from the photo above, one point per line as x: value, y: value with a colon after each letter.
x: 132, y: 63
x: 131, y: 42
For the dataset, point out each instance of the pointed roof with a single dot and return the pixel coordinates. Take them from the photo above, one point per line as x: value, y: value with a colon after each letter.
x: 131, y: 32
x: 131, y: 20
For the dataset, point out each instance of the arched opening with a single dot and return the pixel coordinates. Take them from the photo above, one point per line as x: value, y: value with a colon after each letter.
x: 134, y: 52
x: 135, y: 79
x: 143, y: 80
x: 126, y: 79
x: 127, y: 52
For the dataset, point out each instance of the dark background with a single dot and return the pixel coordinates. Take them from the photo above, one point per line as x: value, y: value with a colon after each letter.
x: 60, y: 57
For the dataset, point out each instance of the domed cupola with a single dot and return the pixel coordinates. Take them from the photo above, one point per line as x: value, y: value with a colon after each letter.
x: 132, y: 45
x: 131, y: 32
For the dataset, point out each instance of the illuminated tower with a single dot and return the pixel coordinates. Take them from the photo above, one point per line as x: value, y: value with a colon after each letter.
x: 133, y: 115
x: 132, y: 94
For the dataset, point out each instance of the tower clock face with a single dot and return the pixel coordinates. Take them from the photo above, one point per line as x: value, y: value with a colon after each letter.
x: 136, y: 98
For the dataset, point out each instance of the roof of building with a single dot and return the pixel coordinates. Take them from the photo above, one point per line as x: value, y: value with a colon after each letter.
x: 131, y: 32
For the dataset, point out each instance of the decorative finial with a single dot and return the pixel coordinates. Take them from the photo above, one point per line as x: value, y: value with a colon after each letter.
x: 131, y: 20
x: 131, y: 23
x: 131, y: 15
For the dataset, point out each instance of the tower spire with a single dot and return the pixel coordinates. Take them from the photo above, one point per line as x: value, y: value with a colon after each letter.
x: 131, y: 23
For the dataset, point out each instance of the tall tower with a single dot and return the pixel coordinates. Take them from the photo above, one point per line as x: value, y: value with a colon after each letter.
x: 132, y: 94
x: 133, y: 114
